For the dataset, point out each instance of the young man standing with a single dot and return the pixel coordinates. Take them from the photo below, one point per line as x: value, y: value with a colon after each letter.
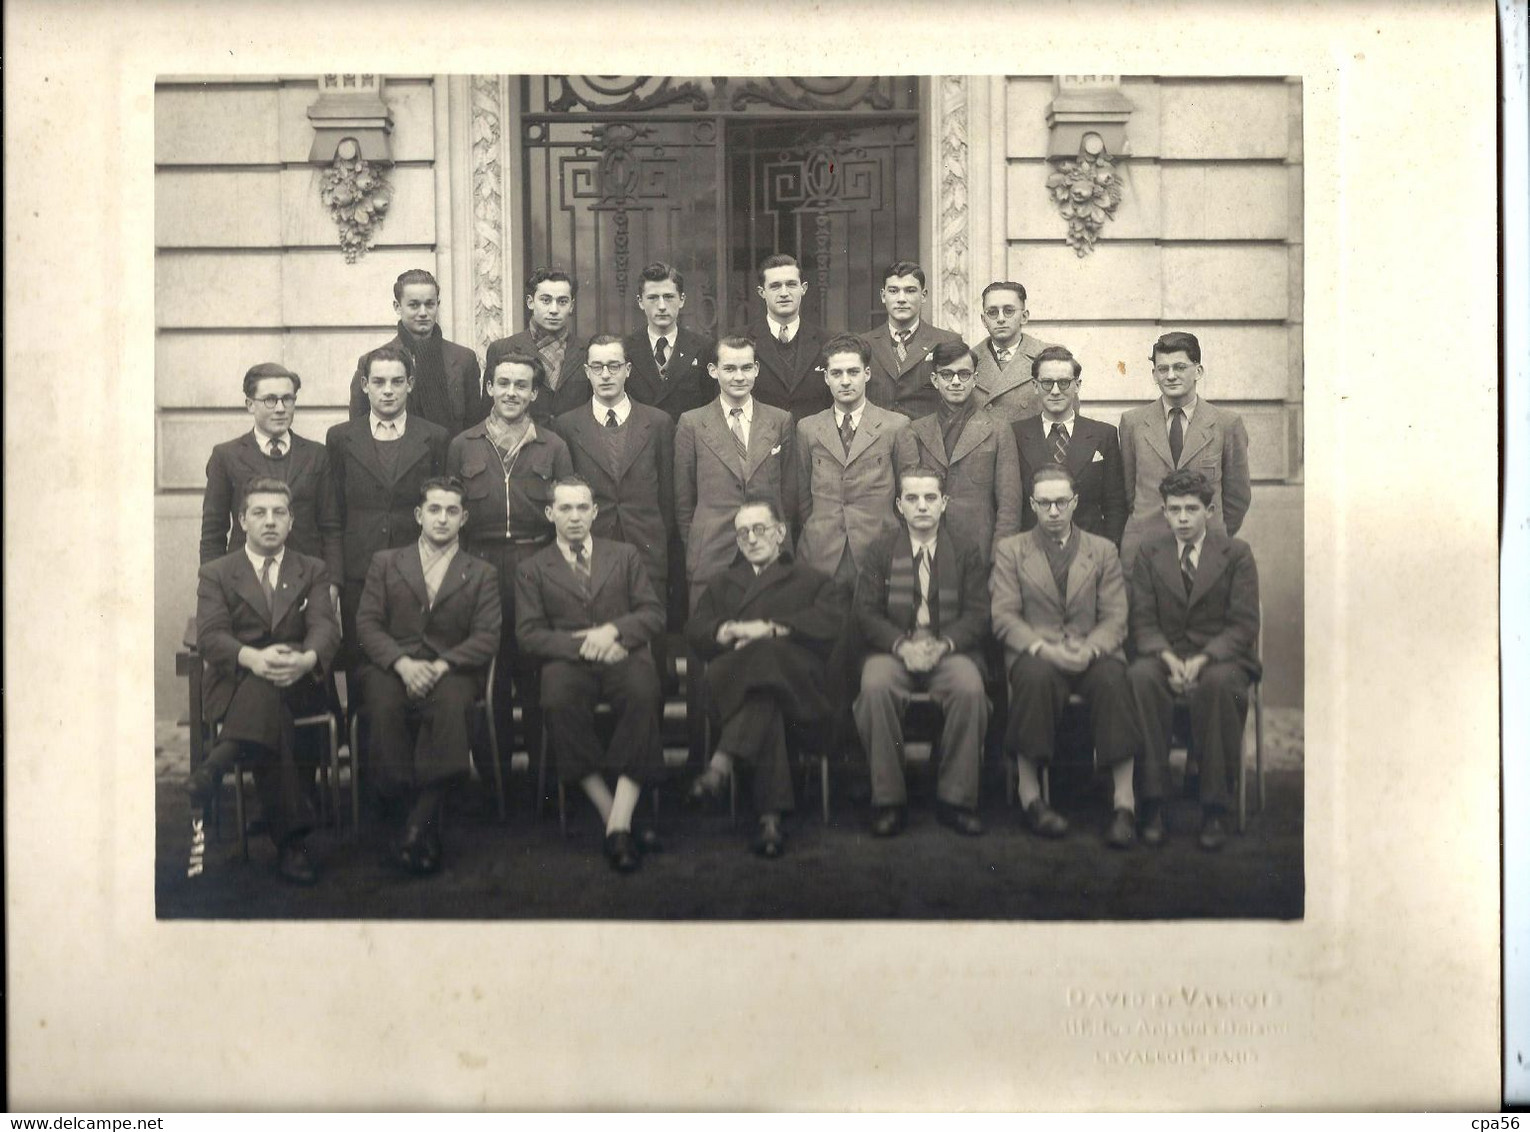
x: 446, y: 380
x: 585, y: 608
x: 787, y: 347
x: 429, y: 624
x: 1004, y: 358
x: 900, y: 347
x: 550, y: 300
x: 1195, y: 624
x: 266, y: 630
x: 974, y: 453
x: 669, y: 363
x: 1181, y: 430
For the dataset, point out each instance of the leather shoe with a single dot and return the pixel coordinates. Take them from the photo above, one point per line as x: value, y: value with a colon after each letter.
x: 770, y: 843
x: 1213, y: 833
x: 888, y: 821
x: 428, y: 857
x: 622, y: 851
x: 1044, y: 821
x: 294, y: 865
x: 1122, y: 831
x: 964, y: 821
x: 1153, y: 833
x: 202, y: 784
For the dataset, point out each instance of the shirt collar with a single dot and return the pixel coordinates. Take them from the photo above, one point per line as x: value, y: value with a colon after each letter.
x: 258, y: 559
x: 1066, y: 422
x: 916, y: 546
x: 1189, y: 409
x: 791, y: 327
x: 669, y: 337
x: 1195, y: 548
x: 263, y: 439
x: 913, y: 329
x: 397, y: 422
x: 747, y: 406
x: 623, y: 410
x: 855, y: 416
x: 568, y: 551
x: 429, y: 553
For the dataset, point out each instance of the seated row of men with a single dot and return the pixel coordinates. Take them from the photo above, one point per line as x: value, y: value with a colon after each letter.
x: 429, y: 622
x: 672, y: 491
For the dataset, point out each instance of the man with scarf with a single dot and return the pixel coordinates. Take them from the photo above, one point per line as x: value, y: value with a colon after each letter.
x: 551, y: 296
x: 921, y: 604
x: 447, y: 386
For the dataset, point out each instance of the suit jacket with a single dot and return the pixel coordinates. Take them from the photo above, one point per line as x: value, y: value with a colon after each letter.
x: 790, y: 668
x: 232, y: 613
x: 551, y: 604
x: 905, y: 386
x: 378, y: 512
x: 464, y: 385
x: 316, y: 519
x: 396, y: 617
x: 886, y: 593
x: 573, y: 384
x: 1094, y: 458
x: 982, y: 477
x: 1220, y: 615
x: 711, y: 483
x: 845, y: 503
x: 635, y: 494
x: 1216, y: 443
x: 790, y: 379
x: 686, y: 385
x: 1027, y: 607
x: 1008, y: 393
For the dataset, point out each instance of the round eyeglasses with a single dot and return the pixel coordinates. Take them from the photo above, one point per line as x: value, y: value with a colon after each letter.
x: 1058, y: 505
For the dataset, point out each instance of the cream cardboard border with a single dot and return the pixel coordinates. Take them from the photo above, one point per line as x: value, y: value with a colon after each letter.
x: 1386, y: 995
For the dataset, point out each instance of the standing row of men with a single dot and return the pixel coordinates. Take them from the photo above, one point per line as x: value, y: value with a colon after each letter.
x: 823, y: 459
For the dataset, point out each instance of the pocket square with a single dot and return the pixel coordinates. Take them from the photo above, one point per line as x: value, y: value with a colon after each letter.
x: 1098, y: 457
x: 303, y: 606
x: 776, y: 451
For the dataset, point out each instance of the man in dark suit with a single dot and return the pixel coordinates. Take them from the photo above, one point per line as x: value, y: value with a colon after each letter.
x: 789, y: 349
x: 1059, y: 609
x: 586, y: 608
x: 266, y: 630
x: 922, y: 607
x: 900, y: 347
x: 550, y: 299
x: 378, y: 463
x: 669, y: 363
x: 1004, y: 358
x: 1195, y: 623
x: 272, y: 450
x: 447, y: 387
x: 1181, y: 429
x: 1087, y: 448
x: 429, y: 625
x: 765, y: 627
x: 974, y: 452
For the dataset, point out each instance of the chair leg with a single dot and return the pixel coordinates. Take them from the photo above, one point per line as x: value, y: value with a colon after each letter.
x: 541, y: 801
x: 823, y: 783
x: 1242, y: 789
x: 334, y: 778
x: 1046, y: 784
x: 1258, y: 750
x: 733, y: 796
x: 499, y: 773
x: 239, y: 815
x: 562, y: 808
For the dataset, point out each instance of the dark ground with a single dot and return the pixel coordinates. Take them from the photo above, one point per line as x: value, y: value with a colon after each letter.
x: 525, y: 869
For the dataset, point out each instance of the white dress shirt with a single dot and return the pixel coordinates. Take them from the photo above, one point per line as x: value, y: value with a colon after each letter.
x: 623, y: 410
x: 380, y: 433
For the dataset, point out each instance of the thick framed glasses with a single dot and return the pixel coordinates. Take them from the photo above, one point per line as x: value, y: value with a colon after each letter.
x: 951, y: 376
x: 1053, y: 504
x: 271, y: 401
x: 1178, y: 369
x: 754, y: 531
x: 1061, y: 384
x: 605, y: 367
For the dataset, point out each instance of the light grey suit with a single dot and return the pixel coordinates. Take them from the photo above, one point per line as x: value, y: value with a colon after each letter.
x: 845, y: 501
x: 1008, y: 393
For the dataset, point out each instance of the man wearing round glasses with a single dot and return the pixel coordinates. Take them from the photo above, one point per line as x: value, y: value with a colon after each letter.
x: 1181, y: 430
x: 1059, y: 609
x: 272, y: 450
x: 1004, y: 358
x: 974, y: 453
x: 1088, y: 448
x: 765, y: 627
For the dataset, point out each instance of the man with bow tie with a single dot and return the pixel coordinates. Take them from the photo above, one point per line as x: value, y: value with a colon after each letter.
x: 900, y: 347
x: 922, y: 607
x: 266, y: 629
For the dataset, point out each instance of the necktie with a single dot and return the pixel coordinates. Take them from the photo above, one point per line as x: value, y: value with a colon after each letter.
x: 847, y: 433
x: 581, y: 563
x: 610, y: 418
x: 1176, y: 434
x: 1060, y: 444
x: 275, y: 449
x: 661, y: 352
x: 737, y: 425
x: 903, y: 336
x: 432, y: 587
x: 1003, y: 356
x: 266, y: 583
x: 1186, y: 569
x: 922, y: 608
x: 785, y: 341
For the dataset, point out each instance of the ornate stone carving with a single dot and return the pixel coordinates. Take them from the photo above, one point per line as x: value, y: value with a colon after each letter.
x: 488, y: 212
x: 1087, y: 192
x: 952, y: 235
x: 561, y: 94
x: 357, y: 195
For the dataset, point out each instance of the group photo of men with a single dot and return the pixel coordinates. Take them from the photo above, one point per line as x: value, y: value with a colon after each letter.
x: 658, y: 563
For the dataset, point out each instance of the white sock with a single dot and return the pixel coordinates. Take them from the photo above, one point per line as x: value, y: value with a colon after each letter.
x: 722, y: 763
x: 1025, y: 778
x: 1121, y: 784
x: 596, y: 790
x: 619, y: 820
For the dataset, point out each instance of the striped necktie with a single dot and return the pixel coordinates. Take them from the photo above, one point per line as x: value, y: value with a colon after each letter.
x: 902, y: 346
x: 266, y: 584
x: 736, y: 424
x: 1186, y: 568
x: 1060, y: 444
x: 922, y: 606
x: 661, y: 353
x: 847, y: 433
